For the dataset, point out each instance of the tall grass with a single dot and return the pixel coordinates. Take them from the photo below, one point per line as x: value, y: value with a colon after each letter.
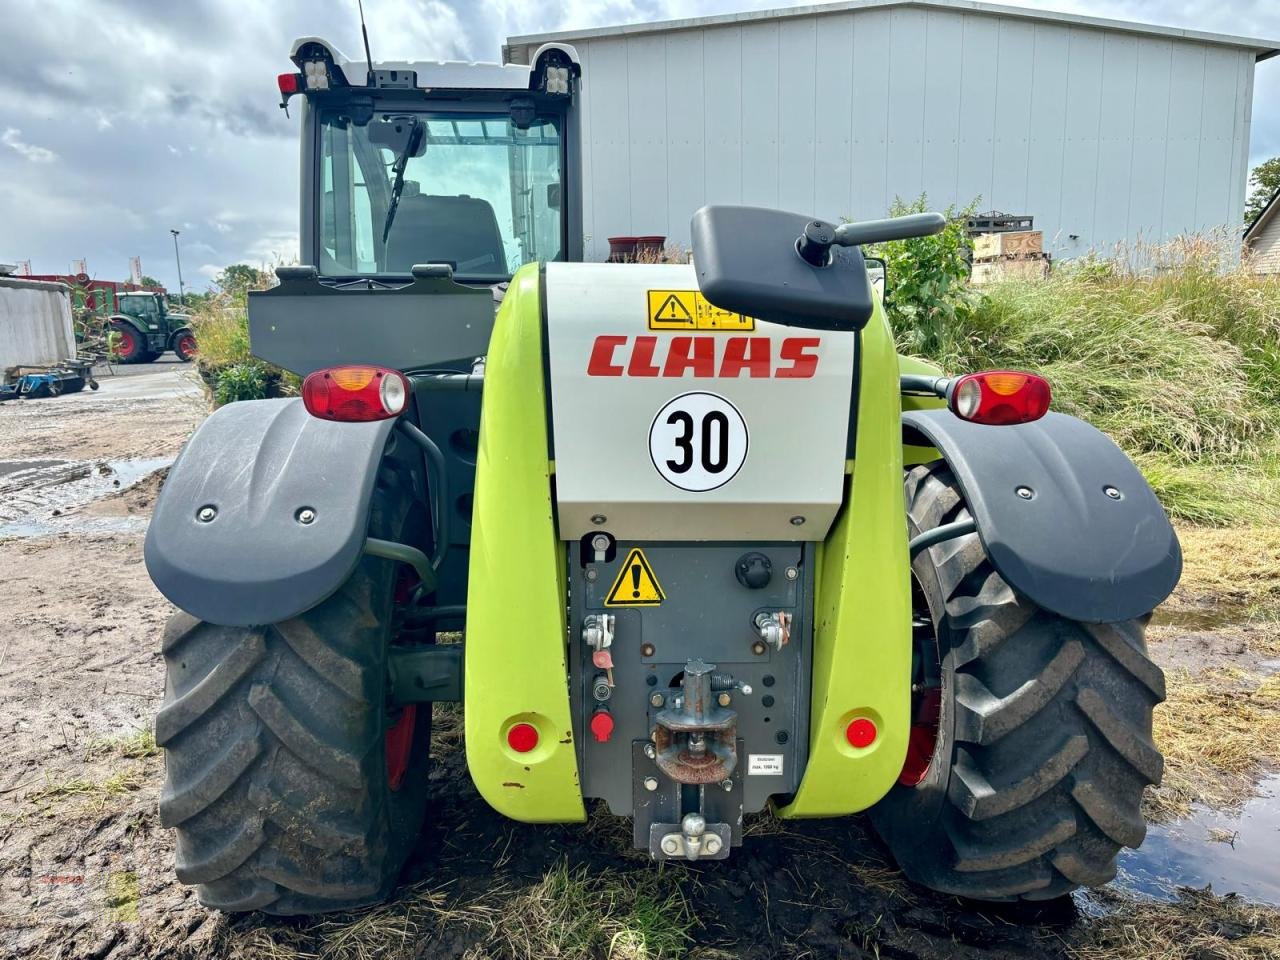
x: 1175, y: 357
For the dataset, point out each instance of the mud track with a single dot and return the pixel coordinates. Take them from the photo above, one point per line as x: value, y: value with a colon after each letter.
x: 86, y: 870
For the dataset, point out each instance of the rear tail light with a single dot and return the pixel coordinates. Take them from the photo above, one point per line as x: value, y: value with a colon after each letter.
x: 288, y: 83
x: 522, y: 737
x: 355, y: 394
x: 999, y: 397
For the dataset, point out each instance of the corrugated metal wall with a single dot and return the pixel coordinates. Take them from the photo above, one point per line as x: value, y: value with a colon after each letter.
x: 1107, y: 136
x: 35, y: 324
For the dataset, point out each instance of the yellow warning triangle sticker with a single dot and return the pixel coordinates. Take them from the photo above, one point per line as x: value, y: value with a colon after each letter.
x: 636, y: 585
x: 673, y: 308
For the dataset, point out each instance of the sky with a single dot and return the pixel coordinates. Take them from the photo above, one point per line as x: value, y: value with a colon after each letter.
x: 123, y: 119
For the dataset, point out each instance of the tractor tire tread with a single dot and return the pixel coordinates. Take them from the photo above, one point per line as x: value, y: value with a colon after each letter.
x: 1051, y: 726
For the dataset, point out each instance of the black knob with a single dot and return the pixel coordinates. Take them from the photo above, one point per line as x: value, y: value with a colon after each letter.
x: 816, y: 240
x: 753, y: 570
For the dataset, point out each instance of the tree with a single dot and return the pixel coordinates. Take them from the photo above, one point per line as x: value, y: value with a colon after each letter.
x: 239, y: 278
x: 1265, y: 180
x: 150, y: 281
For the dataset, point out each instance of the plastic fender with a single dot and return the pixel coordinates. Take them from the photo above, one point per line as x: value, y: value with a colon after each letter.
x: 515, y: 669
x: 256, y: 464
x: 862, y: 609
x: 1064, y: 515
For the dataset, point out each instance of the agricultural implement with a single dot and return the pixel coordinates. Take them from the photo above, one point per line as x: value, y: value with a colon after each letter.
x: 714, y: 547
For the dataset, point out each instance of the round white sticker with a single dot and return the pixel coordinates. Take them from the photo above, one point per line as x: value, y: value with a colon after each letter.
x: 698, y: 441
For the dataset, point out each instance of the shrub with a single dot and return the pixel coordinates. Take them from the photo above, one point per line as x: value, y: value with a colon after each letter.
x: 927, y: 279
x: 241, y: 381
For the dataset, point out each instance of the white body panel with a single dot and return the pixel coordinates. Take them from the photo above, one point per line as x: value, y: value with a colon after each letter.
x: 35, y: 324
x: 606, y: 395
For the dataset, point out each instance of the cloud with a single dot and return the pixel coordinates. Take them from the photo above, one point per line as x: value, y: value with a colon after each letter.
x: 84, y: 159
x: 12, y: 137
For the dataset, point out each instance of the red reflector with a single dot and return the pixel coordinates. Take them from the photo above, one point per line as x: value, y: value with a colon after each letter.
x: 288, y: 83
x: 999, y: 397
x: 523, y: 737
x: 602, y: 726
x: 860, y: 733
x: 355, y: 394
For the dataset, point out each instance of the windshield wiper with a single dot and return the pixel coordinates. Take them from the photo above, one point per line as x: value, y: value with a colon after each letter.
x: 410, y: 149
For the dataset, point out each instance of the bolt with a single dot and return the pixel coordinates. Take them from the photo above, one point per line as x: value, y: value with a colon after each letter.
x: 797, y: 521
x: 647, y: 649
x: 206, y: 513
x: 724, y: 699
x: 792, y: 573
x: 598, y: 519
x: 600, y: 542
x: 591, y: 576
x: 782, y: 736
x: 713, y: 844
x: 305, y: 515
x: 728, y: 785
x: 657, y: 700
x: 651, y: 784
x: 767, y: 680
x: 650, y: 750
x: 1026, y: 493
x: 1113, y: 493
x: 670, y: 846
x: 758, y: 648
x: 766, y: 700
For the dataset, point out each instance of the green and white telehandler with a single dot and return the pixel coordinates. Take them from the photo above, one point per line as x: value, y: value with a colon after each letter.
x: 713, y: 546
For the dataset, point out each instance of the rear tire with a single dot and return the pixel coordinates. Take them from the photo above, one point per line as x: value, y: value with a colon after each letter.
x: 276, y: 755
x: 1043, y: 744
x: 131, y: 346
x: 184, y: 346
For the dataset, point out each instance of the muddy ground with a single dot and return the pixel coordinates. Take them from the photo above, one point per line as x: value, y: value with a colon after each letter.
x: 85, y: 869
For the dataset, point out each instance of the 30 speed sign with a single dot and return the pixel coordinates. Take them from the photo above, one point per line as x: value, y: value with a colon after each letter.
x: 698, y: 441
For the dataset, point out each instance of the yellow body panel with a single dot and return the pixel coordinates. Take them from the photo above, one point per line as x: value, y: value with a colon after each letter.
x: 862, y: 608
x: 516, y: 671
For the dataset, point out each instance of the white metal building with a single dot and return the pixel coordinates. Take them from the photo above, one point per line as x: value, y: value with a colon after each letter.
x: 1104, y: 131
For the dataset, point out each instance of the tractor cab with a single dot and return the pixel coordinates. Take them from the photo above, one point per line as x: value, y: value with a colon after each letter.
x: 463, y: 164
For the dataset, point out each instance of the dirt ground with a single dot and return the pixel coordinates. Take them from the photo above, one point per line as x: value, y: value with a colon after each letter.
x: 86, y: 870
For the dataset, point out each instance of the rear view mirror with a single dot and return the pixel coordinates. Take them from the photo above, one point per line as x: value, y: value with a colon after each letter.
x: 747, y: 262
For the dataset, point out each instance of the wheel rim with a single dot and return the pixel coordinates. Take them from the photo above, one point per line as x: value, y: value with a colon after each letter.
x: 926, y: 696
x: 127, y: 344
x: 187, y: 345
x: 399, y: 745
x: 398, y: 741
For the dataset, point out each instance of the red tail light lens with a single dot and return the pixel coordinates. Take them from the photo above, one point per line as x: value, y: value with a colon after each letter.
x: 523, y: 737
x: 288, y: 83
x: 355, y: 394
x: 999, y: 397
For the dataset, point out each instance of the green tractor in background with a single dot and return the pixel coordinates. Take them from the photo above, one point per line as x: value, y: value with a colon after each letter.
x: 143, y: 328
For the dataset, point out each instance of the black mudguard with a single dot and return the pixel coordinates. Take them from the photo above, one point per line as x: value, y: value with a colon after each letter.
x: 1070, y: 547
x: 258, y: 464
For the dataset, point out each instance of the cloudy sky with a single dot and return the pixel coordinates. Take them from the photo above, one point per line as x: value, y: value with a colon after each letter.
x: 121, y: 119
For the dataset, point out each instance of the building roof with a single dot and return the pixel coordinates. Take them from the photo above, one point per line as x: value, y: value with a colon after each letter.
x: 1262, y: 219
x: 1262, y: 48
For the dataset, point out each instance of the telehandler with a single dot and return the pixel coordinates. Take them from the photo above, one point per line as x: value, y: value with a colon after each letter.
x: 713, y: 545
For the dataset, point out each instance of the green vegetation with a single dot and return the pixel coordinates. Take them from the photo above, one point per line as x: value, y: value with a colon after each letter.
x: 221, y: 324
x: 1264, y: 181
x: 1175, y: 357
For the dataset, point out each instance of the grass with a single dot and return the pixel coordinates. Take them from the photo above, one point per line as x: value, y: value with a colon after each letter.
x: 96, y: 793
x: 568, y: 914
x: 1176, y: 360
x: 1200, y: 926
x: 135, y: 746
x: 1236, y: 565
x: 1216, y: 730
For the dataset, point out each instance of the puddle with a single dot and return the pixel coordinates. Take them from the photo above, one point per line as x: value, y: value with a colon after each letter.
x: 1206, y: 618
x: 35, y: 495
x: 1185, y: 854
